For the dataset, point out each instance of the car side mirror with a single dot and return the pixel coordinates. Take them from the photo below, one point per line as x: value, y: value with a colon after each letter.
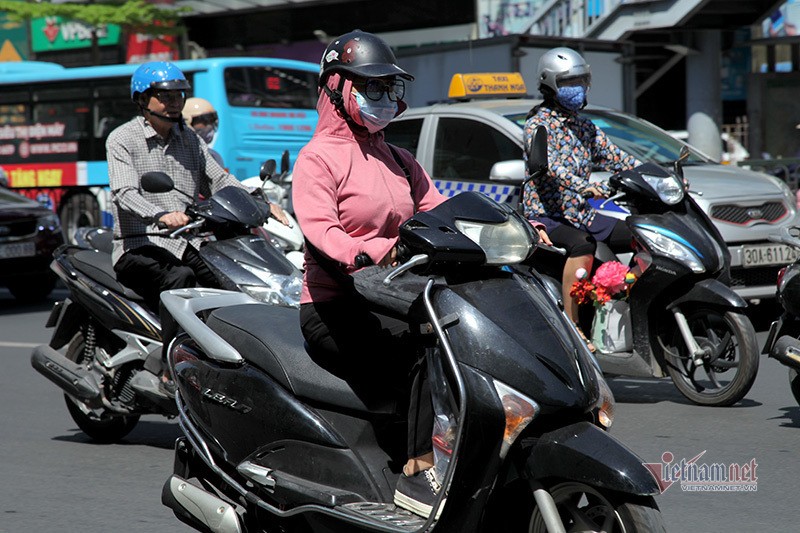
x: 512, y: 171
x: 157, y: 182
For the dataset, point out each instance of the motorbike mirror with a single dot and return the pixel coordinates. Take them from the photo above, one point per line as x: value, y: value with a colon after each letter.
x: 267, y: 169
x: 683, y: 156
x: 537, y: 157
x: 285, y: 162
x: 157, y: 182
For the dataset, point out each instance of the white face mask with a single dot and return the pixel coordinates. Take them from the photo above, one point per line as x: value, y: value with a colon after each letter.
x: 375, y: 115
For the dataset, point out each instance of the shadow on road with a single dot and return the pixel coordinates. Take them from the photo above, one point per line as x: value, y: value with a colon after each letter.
x: 654, y: 391
x: 790, y: 417
x: 158, y: 434
x: 11, y: 306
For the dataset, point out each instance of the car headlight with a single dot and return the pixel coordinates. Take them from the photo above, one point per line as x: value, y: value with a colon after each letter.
x: 520, y: 411
x: 788, y: 196
x: 50, y: 222
x: 277, y: 289
x: 667, y: 243
x: 506, y: 243
x: 669, y: 188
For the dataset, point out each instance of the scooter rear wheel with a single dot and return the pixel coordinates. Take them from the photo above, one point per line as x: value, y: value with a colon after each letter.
x: 725, y: 376
x: 97, y: 424
x: 585, y: 508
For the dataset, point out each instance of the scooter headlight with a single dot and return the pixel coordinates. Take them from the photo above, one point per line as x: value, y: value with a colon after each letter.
x: 520, y: 411
x: 669, y: 188
x: 667, y: 243
x: 507, y: 243
x: 277, y: 289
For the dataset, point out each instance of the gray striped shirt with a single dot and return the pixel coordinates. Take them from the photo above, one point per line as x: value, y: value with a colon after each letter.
x: 134, y: 149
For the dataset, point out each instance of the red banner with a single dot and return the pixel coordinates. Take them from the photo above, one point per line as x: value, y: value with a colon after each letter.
x: 143, y: 48
x: 41, y: 175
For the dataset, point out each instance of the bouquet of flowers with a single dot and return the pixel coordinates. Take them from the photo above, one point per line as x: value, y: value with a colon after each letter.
x: 612, y: 280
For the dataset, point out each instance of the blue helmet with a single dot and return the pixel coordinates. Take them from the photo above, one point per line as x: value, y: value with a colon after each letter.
x: 157, y: 75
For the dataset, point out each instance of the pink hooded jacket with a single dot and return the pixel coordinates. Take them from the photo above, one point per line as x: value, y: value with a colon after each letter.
x: 350, y: 195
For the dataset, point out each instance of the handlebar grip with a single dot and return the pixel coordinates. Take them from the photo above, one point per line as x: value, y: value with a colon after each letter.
x: 161, y: 225
x: 586, y: 193
x: 363, y: 260
x: 403, y: 253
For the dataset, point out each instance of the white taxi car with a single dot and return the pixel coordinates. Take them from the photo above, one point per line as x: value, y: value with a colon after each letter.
x: 474, y: 142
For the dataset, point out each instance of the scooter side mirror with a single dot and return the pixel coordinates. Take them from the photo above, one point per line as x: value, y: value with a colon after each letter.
x: 285, y: 162
x: 267, y: 169
x: 157, y: 182
x: 537, y: 157
x: 683, y: 156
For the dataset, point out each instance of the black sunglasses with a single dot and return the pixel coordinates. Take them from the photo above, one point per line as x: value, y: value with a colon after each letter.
x: 167, y: 97
x: 373, y: 88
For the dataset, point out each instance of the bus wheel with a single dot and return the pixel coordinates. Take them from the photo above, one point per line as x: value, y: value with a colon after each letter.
x: 79, y: 210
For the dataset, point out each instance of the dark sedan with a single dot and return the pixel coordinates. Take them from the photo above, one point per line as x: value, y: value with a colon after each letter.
x: 29, y: 233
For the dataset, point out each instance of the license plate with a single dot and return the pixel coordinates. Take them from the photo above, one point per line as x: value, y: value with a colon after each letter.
x: 768, y: 254
x: 17, y: 249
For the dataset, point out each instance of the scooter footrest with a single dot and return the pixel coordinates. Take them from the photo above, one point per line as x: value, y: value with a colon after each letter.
x: 386, y: 513
x: 292, y: 490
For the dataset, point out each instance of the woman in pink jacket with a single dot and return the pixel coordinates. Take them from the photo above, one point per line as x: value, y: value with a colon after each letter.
x: 351, y: 192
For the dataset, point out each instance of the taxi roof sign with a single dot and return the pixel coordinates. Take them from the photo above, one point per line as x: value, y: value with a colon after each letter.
x: 487, y: 84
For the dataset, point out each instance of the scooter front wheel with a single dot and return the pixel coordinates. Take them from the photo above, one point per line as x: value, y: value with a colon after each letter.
x: 97, y: 424
x: 585, y: 508
x: 729, y: 366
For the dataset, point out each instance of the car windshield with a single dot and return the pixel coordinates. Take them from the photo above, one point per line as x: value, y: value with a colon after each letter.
x: 636, y: 136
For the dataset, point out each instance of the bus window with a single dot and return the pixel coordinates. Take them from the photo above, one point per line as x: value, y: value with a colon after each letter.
x: 271, y: 87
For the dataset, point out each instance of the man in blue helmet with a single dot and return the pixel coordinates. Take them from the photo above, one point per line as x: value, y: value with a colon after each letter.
x: 157, y: 140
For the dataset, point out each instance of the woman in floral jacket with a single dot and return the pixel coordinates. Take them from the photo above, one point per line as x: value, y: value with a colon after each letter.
x: 574, y: 146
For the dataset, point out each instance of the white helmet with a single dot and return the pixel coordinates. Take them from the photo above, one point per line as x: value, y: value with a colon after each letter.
x: 197, y: 107
x: 560, y: 64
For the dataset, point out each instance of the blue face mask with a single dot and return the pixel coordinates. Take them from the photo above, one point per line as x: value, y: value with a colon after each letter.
x: 375, y: 115
x: 571, y: 98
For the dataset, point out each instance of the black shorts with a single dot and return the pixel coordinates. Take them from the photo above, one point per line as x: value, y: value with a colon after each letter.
x: 580, y: 242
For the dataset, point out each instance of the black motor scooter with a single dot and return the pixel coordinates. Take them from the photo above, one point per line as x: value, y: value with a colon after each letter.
x: 110, y: 371
x: 679, y: 319
x: 783, y: 340
x: 277, y: 441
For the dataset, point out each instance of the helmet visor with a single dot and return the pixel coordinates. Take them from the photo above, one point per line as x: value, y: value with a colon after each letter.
x: 584, y: 80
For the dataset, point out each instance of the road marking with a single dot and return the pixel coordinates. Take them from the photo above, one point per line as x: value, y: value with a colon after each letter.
x: 19, y: 344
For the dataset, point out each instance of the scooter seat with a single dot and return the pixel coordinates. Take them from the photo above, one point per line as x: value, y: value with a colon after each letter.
x: 97, y: 265
x: 269, y: 338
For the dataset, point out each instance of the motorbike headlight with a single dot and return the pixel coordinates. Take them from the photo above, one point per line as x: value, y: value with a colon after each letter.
x: 507, y: 243
x: 277, y: 289
x: 669, y: 188
x: 667, y: 243
x: 520, y: 411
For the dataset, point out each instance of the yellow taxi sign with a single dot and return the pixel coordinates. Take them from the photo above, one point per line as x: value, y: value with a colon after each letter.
x: 487, y: 84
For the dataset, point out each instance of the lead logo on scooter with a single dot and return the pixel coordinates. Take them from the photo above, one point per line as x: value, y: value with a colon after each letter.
x: 227, y: 401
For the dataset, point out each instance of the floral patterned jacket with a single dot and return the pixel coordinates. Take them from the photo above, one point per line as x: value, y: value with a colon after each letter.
x: 574, y: 145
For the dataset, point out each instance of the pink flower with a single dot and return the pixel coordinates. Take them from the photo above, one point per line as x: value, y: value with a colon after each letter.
x: 611, y: 277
